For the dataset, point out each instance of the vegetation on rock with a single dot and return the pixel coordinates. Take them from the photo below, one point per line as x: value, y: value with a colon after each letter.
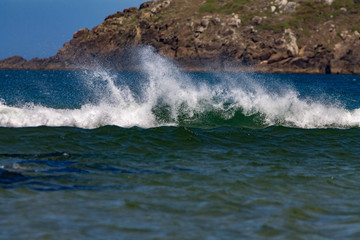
x: 305, y: 36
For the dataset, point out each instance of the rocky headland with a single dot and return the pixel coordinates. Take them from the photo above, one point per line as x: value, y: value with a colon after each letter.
x: 286, y: 36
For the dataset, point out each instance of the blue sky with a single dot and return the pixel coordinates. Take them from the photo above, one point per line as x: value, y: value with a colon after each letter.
x: 38, y: 28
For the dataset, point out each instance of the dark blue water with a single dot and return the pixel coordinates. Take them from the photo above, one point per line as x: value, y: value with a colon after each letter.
x: 163, y: 154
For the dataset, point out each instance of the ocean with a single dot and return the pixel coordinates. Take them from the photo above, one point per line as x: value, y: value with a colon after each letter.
x: 165, y: 154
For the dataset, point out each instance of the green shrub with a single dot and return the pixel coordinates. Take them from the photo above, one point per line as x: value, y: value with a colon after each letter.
x: 209, y: 7
x: 337, y: 4
x: 356, y: 28
x: 215, y: 6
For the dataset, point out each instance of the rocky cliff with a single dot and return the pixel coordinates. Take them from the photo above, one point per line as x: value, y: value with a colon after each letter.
x: 298, y: 36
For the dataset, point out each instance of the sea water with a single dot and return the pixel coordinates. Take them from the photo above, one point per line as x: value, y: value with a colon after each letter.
x: 164, y: 154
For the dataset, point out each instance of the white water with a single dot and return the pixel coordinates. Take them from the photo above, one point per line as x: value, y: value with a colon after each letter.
x: 181, y: 95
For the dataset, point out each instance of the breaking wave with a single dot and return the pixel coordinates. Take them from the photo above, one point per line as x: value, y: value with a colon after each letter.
x: 165, y: 96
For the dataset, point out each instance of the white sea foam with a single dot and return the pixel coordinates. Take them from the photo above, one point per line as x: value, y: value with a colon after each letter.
x: 182, y: 97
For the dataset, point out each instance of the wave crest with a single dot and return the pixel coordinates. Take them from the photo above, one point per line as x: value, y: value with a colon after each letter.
x: 165, y: 96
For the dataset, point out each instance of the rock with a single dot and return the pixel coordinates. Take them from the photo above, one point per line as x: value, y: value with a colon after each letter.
x: 200, y: 29
x: 301, y: 62
x: 251, y: 29
x: 291, y: 7
x: 328, y: 2
x: 162, y: 5
x: 279, y: 41
x: 81, y: 33
x: 154, y: 10
x: 234, y: 21
x: 304, y: 52
x: 130, y: 10
x: 277, y: 57
x: 205, y: 22
x: 343, y: 10
x: 177, y: 30
x: 265, y: 55
x: 227, y: 32
x: 339, y: 50
x: 257, y: 20
x: 290, y: 42
x: 332, y: 28
x: 14, y: 60
x: 345, y: 58
x: 115, y: 15
x: 216, y: 20
x: 146, y: 4
x: 145, y: 15
x: 281, y: 3
x: 166, y: 3
x: 344, y: 35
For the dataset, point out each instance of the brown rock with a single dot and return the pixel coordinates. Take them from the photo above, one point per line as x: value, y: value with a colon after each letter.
x: 198, y: 41
x: 301, y: 62
x: 130, y: 10
x: 257, y: 20
x: 205, y: 22
x: 265, y: 55
x: 13, y: 60
x: 81, y: 33
x: 277, y: 57
x: 146, y: 5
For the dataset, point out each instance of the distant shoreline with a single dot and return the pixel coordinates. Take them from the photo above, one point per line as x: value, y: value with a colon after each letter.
x: 308, y: 37
x: 181, y: 70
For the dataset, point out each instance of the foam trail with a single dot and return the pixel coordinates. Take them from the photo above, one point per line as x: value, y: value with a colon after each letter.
x: 87, y: 116
x: 168, y: 97
x: 289, y: 110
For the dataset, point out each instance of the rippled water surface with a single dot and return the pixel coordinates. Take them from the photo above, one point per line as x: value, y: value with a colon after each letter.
x: 162, y: 154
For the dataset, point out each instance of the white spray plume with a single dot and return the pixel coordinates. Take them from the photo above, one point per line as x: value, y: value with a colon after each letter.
x: 166, y: 86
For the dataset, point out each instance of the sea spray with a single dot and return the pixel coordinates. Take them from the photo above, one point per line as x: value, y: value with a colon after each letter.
x: 162, y: 95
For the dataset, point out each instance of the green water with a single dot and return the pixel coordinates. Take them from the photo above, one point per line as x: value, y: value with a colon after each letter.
x: 181, y: 183
x: 163, y: 154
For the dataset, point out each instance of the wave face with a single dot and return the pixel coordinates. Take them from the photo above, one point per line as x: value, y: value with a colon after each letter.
x: 162, y: 95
